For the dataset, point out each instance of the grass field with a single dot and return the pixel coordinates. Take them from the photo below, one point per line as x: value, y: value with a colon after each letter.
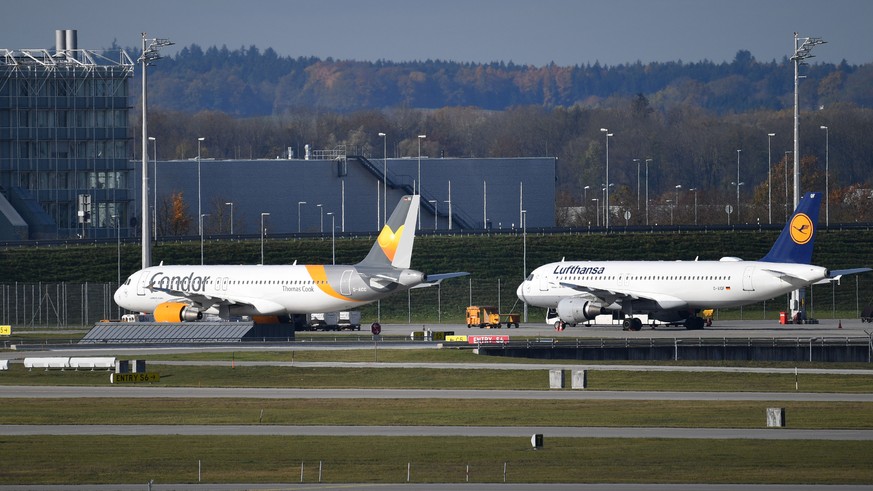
x: 130, y: 459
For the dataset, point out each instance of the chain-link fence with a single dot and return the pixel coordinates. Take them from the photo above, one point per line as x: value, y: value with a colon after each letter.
x: 57, y: 305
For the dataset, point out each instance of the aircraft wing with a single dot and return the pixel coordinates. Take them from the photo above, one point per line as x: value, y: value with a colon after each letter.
x: 205, y: 302
x: 608, y: 297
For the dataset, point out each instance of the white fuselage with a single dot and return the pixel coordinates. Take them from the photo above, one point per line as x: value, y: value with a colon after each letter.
x: 255, y: 290
x: 667, y: 285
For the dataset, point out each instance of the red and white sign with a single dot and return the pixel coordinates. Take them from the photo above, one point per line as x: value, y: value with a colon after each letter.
x: 487, y: 339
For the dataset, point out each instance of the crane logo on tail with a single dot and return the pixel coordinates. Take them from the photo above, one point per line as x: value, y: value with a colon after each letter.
x: 389, y: 240
x: 801, y: 229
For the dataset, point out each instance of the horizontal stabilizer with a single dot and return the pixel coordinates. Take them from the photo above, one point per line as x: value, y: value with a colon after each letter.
x: 836, y: 274
x: 435, y: 279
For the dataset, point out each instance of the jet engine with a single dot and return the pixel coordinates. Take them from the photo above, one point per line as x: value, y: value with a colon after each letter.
x: 176, y: 312
x: 410, y: 277
x: 576, y: 310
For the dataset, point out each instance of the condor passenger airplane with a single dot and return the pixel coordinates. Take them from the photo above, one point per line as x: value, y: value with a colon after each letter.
x: 678, y: 291
x: 185, y: 293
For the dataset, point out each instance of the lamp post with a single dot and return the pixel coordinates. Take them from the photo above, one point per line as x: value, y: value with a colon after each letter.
x: 436, y: 214
x: 320, y: 217
x: 676, y: 204
x: 597, y: 210
x: 231, y: 216
x: 769, y: 183
x: 118, y: 246
x: 606, y: 198
x: 647, y: 190
x: 149, y: 55
x: 605, y: 190
x: 418, y: 183
x: 672, y: 206
x: 332, y: 237
x: 695, y: 204
x: 524, y: 254
x: 199, y: 201
x: 154, y: 187
x: 263, y: 232
x: 738, y: 185
x: 638, y: 161
x: 384, y: 178
x: 827, y: 172
x: 449, y: 201
x: 299, y: 203
x: 203, y: 215
x: 787, y: 154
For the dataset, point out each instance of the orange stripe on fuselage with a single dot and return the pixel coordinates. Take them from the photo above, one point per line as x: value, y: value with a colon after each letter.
x: 319, y: 276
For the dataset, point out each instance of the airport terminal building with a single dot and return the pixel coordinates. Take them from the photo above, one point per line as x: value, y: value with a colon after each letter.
x: 67, y: 169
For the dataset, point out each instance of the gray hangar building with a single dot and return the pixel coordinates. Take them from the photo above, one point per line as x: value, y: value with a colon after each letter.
x: 311, y: 195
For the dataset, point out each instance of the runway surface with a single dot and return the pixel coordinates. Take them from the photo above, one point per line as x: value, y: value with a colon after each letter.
x: 436, y: 431
x: 273, y: 393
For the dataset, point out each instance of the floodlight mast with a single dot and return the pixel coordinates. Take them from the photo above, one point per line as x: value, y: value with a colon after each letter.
x: 802, y: 52
x: 149, y: 55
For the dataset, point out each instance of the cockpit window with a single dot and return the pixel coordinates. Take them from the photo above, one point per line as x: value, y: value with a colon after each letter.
x: 530, y: 277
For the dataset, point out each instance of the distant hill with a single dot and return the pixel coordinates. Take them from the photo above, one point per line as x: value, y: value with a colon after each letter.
x: 250, y: 82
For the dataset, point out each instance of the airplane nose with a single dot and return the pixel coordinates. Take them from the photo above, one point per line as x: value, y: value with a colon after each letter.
x: 520, y: 292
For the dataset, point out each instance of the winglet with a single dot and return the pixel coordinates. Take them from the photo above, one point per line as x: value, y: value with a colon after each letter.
x: 794, y: 244
x: 393, y: 247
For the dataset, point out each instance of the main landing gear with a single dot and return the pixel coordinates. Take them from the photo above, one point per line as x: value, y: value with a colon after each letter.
x: 632, y: 324
x: 696, y: 323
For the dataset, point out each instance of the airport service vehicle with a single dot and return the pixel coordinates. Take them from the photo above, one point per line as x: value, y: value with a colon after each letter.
x: 187, y: 293
x: 677, y: 291
x: 487, y: 316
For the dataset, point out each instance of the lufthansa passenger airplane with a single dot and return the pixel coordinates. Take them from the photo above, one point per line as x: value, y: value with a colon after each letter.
x: 185, y: 293
x: 677, y: 291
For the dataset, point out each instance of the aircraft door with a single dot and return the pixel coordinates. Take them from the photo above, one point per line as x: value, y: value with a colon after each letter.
x: 543, y: 282
x: 346, y: 282
x: 747, y: 279
x: 142, y: 284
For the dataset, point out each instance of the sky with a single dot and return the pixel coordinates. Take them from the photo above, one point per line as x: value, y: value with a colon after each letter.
x: 526, y: 32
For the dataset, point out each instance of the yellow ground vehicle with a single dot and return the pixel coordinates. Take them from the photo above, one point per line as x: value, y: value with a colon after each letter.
x: 488, y: 317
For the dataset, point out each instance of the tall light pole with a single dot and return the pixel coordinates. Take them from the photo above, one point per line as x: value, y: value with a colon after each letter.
x: 263, y: 232
x: 769, y: 179
x: 202, y: 216
x: 418, y: 183
x: 647, y: 190
x: 230, y: 203
x: 118, y: 245
x: 155, y: 186
x: 320, y: 217
x: 199, y: 201
x: 802, y: 51
x: 695, y: 204
x: 150, y: 54
x: 606, y: 198
x: 524, y: 253
x: 638, y: 161
x: 384, y: 179
x: 738, y: 185
x: 449, y: 201
x: 676, y: 204
x: 332, y: 237
x: 787, y: 157
x: 827, y: 172
x: 299, y: 203
x: 436, y: 214
x: 597, y: 209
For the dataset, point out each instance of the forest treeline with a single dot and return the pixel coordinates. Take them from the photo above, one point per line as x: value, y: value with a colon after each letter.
x: 696, y: 126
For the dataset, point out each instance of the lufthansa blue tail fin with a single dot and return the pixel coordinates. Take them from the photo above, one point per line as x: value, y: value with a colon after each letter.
x: 794, y: 244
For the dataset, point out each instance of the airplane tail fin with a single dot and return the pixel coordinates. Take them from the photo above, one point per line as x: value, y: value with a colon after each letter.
x: 794, y: 244
x: 393, y: 247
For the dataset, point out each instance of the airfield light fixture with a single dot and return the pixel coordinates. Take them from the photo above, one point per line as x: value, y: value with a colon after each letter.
x: 802, y: 52
x: 230, y: 203
x: 263, y: 232
x: 606, y: 198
